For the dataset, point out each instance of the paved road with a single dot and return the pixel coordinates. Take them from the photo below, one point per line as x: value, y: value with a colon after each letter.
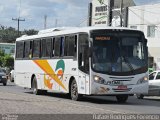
x: 17, y: 100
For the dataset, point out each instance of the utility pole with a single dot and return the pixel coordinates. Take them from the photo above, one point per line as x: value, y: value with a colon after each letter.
x: 45, y: 21
x: 56, y: 22
x: 18, y: 19
x: 90, y: 14
x: 121, y: 14
x: 110, y: 10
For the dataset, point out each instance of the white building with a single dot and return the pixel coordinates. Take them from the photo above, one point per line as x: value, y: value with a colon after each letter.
x: 147, y: 19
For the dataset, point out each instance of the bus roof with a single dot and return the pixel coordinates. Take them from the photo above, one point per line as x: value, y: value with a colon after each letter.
x: 67, y: 30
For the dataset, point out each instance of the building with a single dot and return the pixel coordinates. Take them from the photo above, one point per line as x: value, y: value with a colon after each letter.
x: 146, y: 19
x: 8, y: 48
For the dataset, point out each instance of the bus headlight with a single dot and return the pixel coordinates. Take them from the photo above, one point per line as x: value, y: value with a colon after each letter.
x: 98, y: 79
x: 143, y: 80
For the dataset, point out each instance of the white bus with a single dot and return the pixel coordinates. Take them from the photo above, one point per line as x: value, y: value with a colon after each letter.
x: 83, y: 61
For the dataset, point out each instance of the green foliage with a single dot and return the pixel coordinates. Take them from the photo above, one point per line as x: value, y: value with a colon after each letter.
x: 9, y: 34
x: 30, y: 32
x: 6, y: 60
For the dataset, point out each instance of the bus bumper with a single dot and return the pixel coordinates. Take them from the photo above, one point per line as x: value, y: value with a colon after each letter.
x: 126, y: 89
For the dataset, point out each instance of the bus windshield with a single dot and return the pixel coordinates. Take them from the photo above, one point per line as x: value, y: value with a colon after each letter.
x: 119, y: 52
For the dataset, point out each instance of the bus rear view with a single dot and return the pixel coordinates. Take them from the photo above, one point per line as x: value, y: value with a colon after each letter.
x: 119, y: 63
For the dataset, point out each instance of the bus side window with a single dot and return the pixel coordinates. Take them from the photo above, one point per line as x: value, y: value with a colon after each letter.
x: 19, y: 49
x: 36, y: 48
x: 26, y: 49
x: 43, y: 48
x: 31, y: 49
x: 53, y: 42
x: 62, y: 47
x: 83, y: 53
x: 57, y: 47
x: 75, y: 46
x: 48, y: 47
x: 70, y: 46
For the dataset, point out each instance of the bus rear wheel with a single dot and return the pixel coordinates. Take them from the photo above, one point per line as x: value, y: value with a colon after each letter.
x: 140, y: 96
x: 122, y: 98
x: 74, y: 91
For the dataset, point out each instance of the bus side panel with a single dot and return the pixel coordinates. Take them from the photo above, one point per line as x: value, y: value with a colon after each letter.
x: 70, y: 70
x: 81, y: 83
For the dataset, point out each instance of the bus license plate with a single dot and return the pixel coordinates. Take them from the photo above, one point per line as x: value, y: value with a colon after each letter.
x: 122, y: 87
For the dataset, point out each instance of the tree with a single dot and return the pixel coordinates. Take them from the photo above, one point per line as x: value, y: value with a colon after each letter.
x: 9, y: 35
x: 8, y: 62
x: 1, y: 58
x: 30, y: 32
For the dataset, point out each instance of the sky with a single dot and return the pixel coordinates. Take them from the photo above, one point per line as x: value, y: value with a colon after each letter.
x: 59, y: 12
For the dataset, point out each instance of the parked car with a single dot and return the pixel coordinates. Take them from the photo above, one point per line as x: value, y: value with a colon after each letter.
x: 11, y: 76
x: 3, y: 77
x: 154, y: 85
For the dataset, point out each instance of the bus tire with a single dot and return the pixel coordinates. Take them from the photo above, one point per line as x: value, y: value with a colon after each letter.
x: 4, y: 84
x: 35, y: 89
x: 122, y: 98
x: 74, y: 91
x: 140, y: 96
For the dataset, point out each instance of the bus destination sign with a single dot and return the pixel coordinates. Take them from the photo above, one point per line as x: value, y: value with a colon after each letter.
x: 102, y: 38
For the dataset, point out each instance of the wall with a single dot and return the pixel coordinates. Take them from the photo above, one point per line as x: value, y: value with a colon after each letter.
x: 141, y: 17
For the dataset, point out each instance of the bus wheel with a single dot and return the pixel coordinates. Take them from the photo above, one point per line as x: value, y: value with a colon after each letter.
x: 4, y: 84
x: 122, y: 98
x: 140, y: 96
x: 74, y: 91
x: 35, y: 89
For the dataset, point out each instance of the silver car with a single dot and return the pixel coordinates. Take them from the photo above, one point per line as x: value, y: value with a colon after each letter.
x: 154, y: 85
x: 3, y: 77
x: 11, y: 76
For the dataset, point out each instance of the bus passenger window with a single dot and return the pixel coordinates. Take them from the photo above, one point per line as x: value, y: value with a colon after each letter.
x: 26, y: 49
x: 19, y: 49
x: 62, y: 47
x: 43, y: 48
x: 83, y: 53
x: 57, y: 47
x: 48, y: 47
x: 36, y: 48
x: 53, y: 53
x: 75, y: 46
x: 71, y: 43
x: 70, y: 46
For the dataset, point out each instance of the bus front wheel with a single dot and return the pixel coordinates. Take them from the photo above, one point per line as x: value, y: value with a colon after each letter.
x: 35, y: 89
x: 122, y: 98
x: 74, y: 91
